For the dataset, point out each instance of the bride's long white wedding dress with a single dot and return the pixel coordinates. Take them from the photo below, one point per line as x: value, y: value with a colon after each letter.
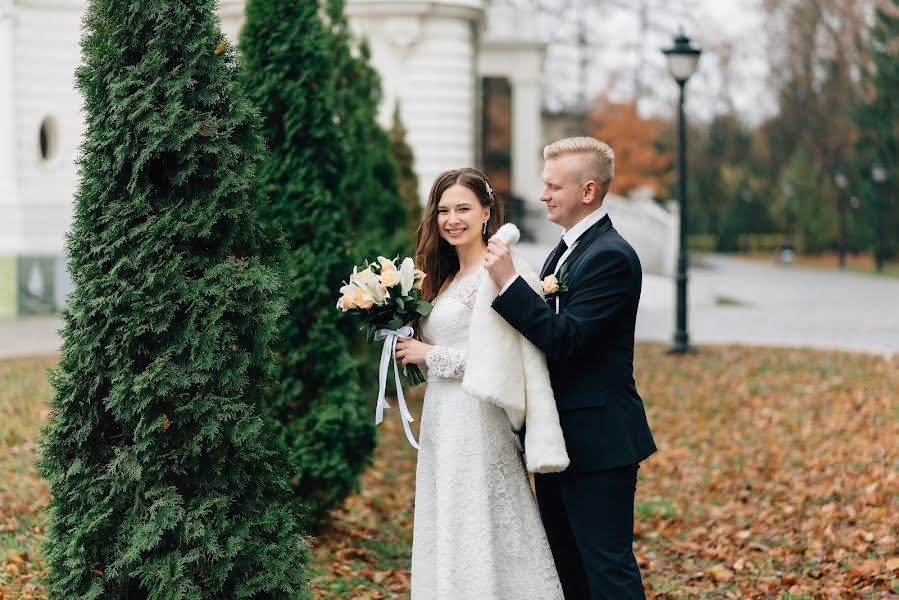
x: 477, y: 531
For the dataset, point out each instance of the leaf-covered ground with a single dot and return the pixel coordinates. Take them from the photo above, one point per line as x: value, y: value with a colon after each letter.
x: 777, y: 477
x: 23, y: 393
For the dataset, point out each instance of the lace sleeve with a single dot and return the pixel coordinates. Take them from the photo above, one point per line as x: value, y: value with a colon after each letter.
x: 444, y: 361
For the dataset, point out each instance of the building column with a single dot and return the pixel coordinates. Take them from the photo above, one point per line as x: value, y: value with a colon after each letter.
x: 231, y: 12
x: 527, y: 151
x: 426, y: 52
x: 11, y: 234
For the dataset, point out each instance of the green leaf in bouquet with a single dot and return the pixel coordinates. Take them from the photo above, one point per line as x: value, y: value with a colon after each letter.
x: 401, y: 303
x: 423, y: 307
x: 395, y: 324
x: 413, y: 375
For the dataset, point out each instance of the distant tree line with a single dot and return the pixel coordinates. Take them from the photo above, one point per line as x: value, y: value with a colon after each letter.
x: 804, y: 173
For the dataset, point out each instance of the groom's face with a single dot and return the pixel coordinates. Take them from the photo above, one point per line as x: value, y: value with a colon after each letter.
x: 563, y: 191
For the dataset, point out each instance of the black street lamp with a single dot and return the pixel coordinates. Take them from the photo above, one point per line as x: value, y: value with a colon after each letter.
x: 879, y: 175
x: 842, y: 182
x: 682, y: 61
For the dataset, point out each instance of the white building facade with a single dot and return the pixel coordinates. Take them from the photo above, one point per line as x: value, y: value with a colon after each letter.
x: 431, y: 55
x: 40, y: 132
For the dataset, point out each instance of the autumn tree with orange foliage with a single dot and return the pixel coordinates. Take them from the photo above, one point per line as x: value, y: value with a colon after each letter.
x: 639, y: 161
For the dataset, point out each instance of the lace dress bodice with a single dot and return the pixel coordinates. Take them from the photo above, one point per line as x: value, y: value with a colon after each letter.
x: 446, y: 328
x: 477, y: 532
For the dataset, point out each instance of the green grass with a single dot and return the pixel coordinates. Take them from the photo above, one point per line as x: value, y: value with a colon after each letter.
x: 729, y: 301
x: 24, y: 392
x: 646, y: 509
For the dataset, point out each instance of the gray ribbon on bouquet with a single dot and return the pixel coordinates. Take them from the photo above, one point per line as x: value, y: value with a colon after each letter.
x: 390, y: 338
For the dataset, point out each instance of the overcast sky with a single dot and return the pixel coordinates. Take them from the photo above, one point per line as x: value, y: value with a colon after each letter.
x: 622, y: 59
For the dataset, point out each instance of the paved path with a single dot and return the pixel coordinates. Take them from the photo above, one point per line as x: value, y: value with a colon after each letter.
x: 29, y: 336
x: 731, y: 301
x: 734, y: 300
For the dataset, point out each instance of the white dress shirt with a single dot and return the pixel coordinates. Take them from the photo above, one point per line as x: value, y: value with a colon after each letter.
x: 571, y: 237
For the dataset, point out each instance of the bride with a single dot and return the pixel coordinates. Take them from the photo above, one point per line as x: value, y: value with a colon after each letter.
x: 477, y: 532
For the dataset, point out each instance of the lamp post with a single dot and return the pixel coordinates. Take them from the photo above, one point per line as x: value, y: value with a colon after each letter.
x: 842, y: 182
x: 879, y: 175
x: 682, y: 60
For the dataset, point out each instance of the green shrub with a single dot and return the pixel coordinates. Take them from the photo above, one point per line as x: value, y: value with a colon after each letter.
x: 167, y: 482
x: 326, y: 421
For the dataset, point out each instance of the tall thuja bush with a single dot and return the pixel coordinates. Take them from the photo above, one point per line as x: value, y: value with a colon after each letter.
x: 370, y: 186
x: 327, y: 423
x: 166, y: 481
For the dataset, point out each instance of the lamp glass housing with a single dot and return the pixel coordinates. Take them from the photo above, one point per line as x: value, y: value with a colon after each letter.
x: 683, y: 59
x: 841, y: 180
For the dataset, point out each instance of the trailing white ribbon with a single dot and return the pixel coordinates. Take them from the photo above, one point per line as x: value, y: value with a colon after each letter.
x: 390, y: 338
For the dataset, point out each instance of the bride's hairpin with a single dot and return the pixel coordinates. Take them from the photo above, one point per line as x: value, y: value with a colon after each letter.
x: 489, y: 189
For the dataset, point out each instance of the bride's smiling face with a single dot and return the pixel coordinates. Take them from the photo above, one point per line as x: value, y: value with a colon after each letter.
x: 460, y: 216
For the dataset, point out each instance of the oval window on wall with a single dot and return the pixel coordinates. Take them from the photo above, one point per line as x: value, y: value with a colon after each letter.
x: 48, y: 139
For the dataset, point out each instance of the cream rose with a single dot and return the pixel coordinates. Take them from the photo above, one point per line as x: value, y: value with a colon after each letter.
x: 550, y: 284
x: 389, y: 278
x: 419, y: 279
x: 346, y: 302
x: 386, y: 264
x: 362, y: 299
x: 371, y: 283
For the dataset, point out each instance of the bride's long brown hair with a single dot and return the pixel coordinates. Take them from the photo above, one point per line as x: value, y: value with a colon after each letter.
x: 433, y: 254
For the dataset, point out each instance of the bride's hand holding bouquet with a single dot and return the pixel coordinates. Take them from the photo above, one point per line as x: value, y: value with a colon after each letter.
x: 387, y: 298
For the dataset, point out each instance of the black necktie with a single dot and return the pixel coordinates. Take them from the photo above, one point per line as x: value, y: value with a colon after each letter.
x: 556, y: 255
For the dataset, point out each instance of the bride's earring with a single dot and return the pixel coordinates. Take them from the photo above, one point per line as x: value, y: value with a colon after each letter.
x: 485, y: 227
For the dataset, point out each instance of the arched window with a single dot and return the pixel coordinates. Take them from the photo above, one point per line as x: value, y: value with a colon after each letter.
x: 48, y: 139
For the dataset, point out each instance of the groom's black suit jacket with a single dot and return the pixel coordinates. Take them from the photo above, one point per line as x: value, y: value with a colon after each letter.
x: 589, y: 348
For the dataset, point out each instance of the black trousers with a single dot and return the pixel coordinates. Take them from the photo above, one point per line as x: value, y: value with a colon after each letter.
x: 589, y: 521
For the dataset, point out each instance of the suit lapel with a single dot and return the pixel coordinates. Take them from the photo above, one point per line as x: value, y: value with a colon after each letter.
x: 550, y: 261
x: 601, y: 226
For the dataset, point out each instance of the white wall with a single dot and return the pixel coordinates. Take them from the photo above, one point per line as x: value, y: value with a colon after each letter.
x: 11, y: 234
x: 426, y: 53
x: 47, y: 51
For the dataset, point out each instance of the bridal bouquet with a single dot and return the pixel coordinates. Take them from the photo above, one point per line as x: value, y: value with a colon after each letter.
x: 386, y: 298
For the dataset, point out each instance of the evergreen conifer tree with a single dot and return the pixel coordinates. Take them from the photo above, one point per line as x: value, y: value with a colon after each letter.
x: 380, y: 225
x: 405, y: 164
x: 327, y: 423
x: 166, y: 481
x: 371, y: 189
x: 878, y: 120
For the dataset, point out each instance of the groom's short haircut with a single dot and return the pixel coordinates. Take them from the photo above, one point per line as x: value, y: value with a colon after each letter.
x: 597, y: 158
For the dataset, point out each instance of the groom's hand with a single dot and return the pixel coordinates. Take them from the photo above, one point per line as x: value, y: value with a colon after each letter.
x: 498, y: 262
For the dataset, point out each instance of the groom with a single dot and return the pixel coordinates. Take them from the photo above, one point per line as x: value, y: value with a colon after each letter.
x: 587, y: 334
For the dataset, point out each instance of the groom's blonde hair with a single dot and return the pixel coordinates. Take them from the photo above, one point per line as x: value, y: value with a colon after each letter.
x: 597, y: 158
